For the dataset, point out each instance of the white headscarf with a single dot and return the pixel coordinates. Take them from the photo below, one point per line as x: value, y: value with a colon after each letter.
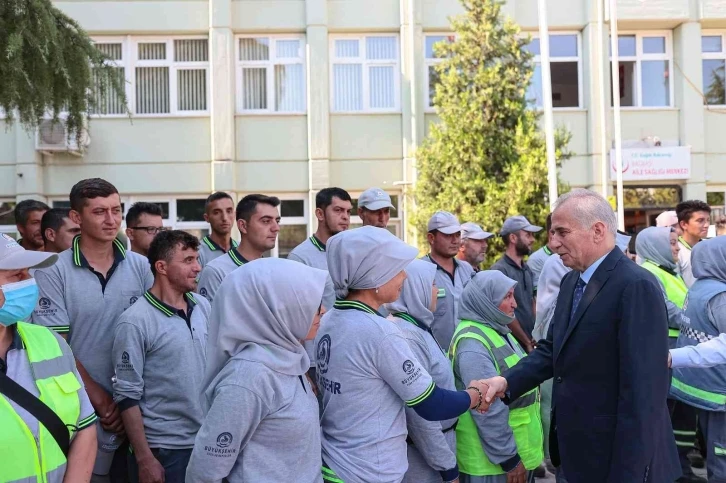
x: 416, y: 293
x: 365, y: 258
x: 654, y: 244
x: 261, y: 312
x: 548, y: 289
x: 481, y: 298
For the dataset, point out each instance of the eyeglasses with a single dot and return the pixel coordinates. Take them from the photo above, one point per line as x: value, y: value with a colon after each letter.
x: 151, y: 230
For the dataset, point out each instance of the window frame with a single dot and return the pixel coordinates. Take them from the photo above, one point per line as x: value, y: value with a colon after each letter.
x: 270, y: 67
x: 291, y: 220
x: 366, y: 64
x: 396, y: 221
x: 639, y: 57
x: 9, y: 229
x: 713, y: 56
x: 536, y: 59
x: 129, y: 61
x: 428, y: 63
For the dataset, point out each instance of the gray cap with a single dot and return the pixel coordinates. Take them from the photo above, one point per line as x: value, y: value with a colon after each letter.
x: 374, y: 199
x: 444, y: 222
x: 15, y: 257
x: 517, y: 223
x: 474, y: 232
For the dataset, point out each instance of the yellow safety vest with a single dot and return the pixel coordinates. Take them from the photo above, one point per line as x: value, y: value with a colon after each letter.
x: 524, y: 412
x: 675, y: 288
x: 23, y: 458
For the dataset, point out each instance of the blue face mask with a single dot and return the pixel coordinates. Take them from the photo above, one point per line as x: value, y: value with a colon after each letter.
x: 20, y: 300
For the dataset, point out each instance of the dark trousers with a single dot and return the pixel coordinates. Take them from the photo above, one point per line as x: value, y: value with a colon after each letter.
x: 713, y: 426
x: 174, y: 461
x: 119, y: 471
x: 684, y: 421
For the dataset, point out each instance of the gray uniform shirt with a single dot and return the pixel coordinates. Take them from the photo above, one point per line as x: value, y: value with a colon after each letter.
x: 311, y: 252
x: 159, y: 353
x: 18, y: 369
x: 450, y: 288
x: 366, y: 371
x: 262, y: 426
x: 209, y: 250
x: 684, y: 263
x: 432, y: 450
x: 78, y: 301
x: 523, y: 292
x: 213, y: 274
x: 536, y: 262
x: 473, y: 361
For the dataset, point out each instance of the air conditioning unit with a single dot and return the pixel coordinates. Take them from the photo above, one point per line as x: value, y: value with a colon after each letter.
x: 52, y: 137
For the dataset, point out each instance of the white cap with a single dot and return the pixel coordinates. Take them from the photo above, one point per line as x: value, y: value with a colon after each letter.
x: 15, y: 257
x: 474, y: 232
x: 374, y: 199
x: 666, y: 219
x: 444, y: 222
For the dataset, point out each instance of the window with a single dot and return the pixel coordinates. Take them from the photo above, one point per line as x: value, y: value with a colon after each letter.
x: 365, y: 73
x: 7, y: 218
x: 565, y: 66
x: 293, y: 225
x: 645, y: 70
x: 714, y: 62
x: 430, y: 60
x: 177, y: 214
x: 271, y: 74
x: 394, y: 223
x: 162, y: 76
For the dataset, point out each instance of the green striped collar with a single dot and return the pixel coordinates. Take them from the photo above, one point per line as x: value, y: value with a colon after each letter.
x: 238, y: 259
x: 355, y: 305
x: 684, y: 243
x: 213, y: 246
x: 317, y: 243
x: 119, y: 252
x: 408, y: 318
x: 547, y: 250
x: 166, y: 309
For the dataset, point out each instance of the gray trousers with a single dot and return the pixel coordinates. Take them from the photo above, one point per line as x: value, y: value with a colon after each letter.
x: 713, y: 427
x: 491, y: 479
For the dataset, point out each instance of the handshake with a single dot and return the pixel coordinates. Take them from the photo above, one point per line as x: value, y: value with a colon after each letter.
x: 483, y: 392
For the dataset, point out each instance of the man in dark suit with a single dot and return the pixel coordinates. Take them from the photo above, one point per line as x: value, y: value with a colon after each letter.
x: 607, y: 350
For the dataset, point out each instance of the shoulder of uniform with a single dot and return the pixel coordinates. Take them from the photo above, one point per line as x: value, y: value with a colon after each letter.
x: 202, y: 301
x: 136, y: 259
x: 140, y: 309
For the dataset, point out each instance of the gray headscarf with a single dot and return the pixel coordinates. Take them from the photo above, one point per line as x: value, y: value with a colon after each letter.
x: 481, y: 298
x: 654, y: 244
x: 261, y: 312
x: 708, y: 259
x: 416, y: 293
x: 548, y: 289
x: 622, y: 240
x: 365, y: 258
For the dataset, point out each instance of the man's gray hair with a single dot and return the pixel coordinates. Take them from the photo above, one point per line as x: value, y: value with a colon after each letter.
x: 588, y: 208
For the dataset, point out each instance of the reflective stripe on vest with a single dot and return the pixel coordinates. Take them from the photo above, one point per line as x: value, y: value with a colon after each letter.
x: 524, y: 412
x: 25, y: 458
x: 675, y: 289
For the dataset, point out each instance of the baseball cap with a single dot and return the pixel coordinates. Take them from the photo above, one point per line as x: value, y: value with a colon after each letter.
x: 15, y: 257
x: 374, y: 199
x: 666, y: 219
x: 474, y: 232
x: 516, y: 223
x: 444, y: 222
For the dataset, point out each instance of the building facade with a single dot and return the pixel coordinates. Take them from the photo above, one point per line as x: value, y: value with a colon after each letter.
x: 286, y: 97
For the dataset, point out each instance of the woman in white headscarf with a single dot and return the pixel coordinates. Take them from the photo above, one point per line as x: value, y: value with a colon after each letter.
x: 262, y: 416
x: 431, y: 444
x: 504, y: 444
x: 365, y: 368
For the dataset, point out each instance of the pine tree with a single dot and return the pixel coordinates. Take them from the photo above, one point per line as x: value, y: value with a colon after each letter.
x: 486, y: 158
x: 49, y: 65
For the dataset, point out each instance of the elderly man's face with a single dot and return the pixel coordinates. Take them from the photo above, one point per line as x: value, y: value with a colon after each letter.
x: 575, y: 244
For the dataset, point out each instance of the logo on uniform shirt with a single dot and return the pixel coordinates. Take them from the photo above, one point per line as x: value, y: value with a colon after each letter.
x: 44, y: 303
x: 125, y: 364
x: 203, y: 292
x: 323, y: 354
x: 125, y: 357
x: 224, y: 440
x: 222, y: 450
x: 408, y: 367
x: 133, y: 300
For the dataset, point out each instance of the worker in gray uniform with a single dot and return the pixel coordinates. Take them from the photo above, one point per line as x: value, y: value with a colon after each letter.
x: 219, y: 213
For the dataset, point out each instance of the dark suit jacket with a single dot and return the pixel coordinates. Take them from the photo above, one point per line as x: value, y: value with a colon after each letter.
x: 610, y: 422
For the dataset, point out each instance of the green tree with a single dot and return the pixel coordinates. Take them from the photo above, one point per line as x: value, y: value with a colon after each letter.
x: 486, y: 158
x: 49, y: 65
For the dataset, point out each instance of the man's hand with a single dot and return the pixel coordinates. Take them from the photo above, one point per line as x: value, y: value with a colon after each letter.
x: 478, y: 402
x: 313, y: 386
x: 670, y: 360
x: 497, y: 388
x: 150, y: 470
x: 517, y: 475
x: 106, y: 409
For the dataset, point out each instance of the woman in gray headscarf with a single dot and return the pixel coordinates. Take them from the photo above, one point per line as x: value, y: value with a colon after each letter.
x: 262, y: 416
x: 431, y: 444
x: 503, y: 445
x: 365, y: 368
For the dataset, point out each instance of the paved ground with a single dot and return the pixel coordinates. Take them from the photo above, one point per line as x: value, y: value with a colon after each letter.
x: 551, y: 478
